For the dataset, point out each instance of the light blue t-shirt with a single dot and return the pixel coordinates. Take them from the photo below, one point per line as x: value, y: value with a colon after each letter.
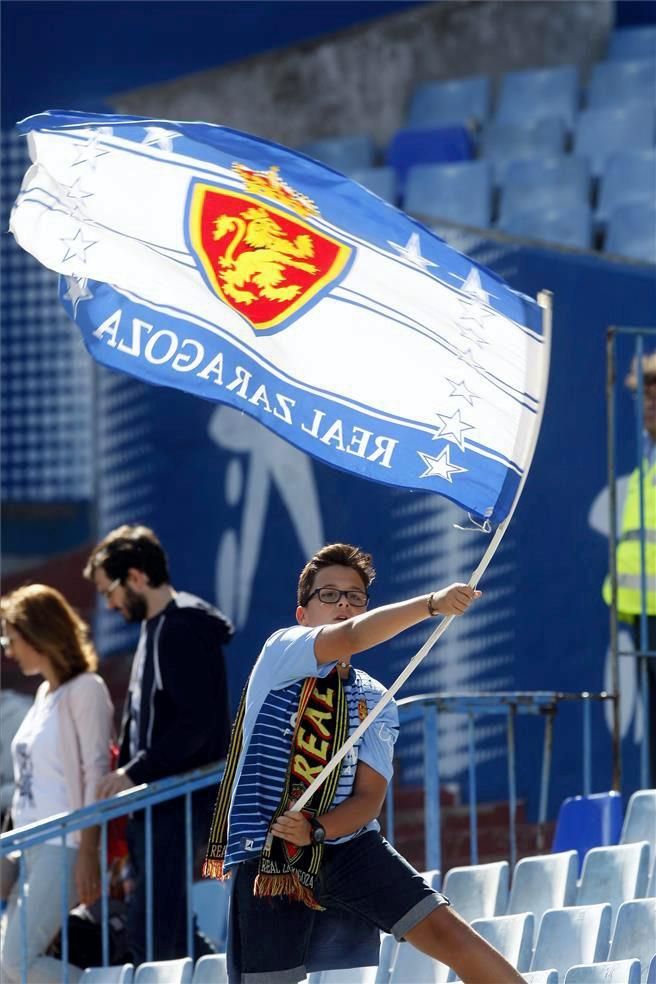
x: 286, y: 660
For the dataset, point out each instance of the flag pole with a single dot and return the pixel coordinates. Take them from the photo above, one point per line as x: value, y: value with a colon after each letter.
x: 544, y: 299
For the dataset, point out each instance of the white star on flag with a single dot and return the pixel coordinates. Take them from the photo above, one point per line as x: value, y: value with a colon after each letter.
x: 467, y: 356
x: 89, y: 152
x: 412, y: 252
x: 159, y: 136
x: 468, y: 332
x: 77, y: 194
x: 77, y: 291
x: 440, y: 467
x: 77, y: 248
x: 452, y: 429
x: 461, y: 392
x: 473, y: 287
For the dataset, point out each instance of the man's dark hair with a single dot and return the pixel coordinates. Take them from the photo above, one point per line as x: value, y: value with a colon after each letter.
x: 342, y: 554
x: 126, y: 547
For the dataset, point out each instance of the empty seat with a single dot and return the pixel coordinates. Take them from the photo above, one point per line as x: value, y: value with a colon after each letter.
x: 512, y: 936
x: 633, y: 42
x: 528, y: 184
x: 640, y: 820
x: 622, y: 81
x: 541, y: 976
x: 601, y: 132
x: 352, y: 975
x: 433, y: 878
x: 651, y: 973
x: 503, y: 143
x: 342, y: 153
x: 451, y: 101
x: 614, y: 874
x: 588, y: 821
x: 211, y: 969
x: 567, y: 225
x: 578, y: 935
x: 411, y: 966
x: 610, y: 972
x: 455, y: 192
x: 478, y: 891
x: 388, y: 948
x: 628, y: 177
x: 541, y: 883
x: 539, y: 93
x: 164, y: 972
x: 436, y: 145
x: 380, y: 180
x: 635, y: 933
x: 651, y: 887
x: 120, y: 974
x: 632, y: 233
x: 209, y: 900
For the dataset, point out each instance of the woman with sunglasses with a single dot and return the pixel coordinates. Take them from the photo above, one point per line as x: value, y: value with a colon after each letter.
x: 59, y: 752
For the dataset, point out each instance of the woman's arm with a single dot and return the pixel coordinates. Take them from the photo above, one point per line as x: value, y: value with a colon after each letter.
x: 341, y: 640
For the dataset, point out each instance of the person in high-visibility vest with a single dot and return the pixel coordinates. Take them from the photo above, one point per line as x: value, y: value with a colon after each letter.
x: 629, y: 548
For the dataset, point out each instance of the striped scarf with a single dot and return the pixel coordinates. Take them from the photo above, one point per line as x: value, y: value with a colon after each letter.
x: 321, y: 727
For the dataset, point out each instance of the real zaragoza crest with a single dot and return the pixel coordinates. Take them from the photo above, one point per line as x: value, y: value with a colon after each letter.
x: 265, y: 262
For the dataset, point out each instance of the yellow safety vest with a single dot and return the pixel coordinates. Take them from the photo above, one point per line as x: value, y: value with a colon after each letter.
x: 629, y: 593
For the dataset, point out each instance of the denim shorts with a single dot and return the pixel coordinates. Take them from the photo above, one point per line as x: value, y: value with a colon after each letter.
x: 365, y: 886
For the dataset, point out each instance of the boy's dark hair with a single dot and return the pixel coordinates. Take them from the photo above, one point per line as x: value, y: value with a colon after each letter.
x: 343, y: 554
x: 126, y: 547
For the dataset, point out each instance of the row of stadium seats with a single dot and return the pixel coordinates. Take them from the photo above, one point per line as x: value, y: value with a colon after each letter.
x: 208, y: 970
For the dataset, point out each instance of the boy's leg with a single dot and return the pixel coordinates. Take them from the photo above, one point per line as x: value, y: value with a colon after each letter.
x: 445, y: 936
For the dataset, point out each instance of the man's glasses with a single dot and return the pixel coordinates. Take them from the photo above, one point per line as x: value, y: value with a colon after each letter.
x: 109, y: 590
x: 330, y: 596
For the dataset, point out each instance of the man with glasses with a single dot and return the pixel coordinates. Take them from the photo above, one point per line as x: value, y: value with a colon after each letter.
x: 176, y: 718
x: 312, y: 889
x: 632, y: 537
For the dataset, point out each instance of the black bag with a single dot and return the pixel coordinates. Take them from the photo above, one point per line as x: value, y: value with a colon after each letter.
x: 85, y: 935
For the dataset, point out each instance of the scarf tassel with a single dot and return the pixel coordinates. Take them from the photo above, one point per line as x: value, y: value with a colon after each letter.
x: 288, y: 885
x: 213, y: 869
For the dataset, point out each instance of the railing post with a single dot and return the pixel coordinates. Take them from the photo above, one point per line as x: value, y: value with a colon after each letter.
x: 189, y: 875
x: 547, y: 750
x: 22, y: 864
x: 473, y: 797
x: 587, y: 745
x: 432, y: 847
x: 64, y: 909
x: 149, y: 882
x: 104, y: 898
x: 512, y: 787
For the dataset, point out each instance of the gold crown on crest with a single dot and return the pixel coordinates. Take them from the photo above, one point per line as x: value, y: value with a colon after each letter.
x: 269, y: 184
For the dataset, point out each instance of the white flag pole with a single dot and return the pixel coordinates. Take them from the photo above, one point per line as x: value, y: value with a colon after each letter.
x: 544, y: 299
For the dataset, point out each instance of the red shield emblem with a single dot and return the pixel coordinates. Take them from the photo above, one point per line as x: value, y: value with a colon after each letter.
x: 259, y: 259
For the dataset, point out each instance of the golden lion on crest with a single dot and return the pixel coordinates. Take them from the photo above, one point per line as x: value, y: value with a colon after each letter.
x: 263, y: 267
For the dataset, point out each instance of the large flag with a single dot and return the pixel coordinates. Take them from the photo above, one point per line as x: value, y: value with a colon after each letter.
x: 205, y: 259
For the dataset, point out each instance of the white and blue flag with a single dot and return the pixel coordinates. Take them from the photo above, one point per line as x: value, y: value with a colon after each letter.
x: 205, y: 259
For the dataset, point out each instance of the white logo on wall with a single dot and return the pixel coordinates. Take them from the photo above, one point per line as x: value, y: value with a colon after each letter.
x: 272, y: 465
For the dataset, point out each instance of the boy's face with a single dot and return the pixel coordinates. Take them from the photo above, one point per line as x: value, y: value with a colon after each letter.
x: 318, y: 612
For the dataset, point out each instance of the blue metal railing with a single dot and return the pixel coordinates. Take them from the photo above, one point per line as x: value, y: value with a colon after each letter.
x: 428, y: 707
x: 143, y: 797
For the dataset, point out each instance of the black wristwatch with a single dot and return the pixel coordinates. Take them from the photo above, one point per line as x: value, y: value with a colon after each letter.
x: 318, y: 833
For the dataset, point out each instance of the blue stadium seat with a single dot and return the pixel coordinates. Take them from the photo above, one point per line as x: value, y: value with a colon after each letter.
x: 627, y: 177
x: 436, y: 145
x: 534, y: 182
x: 539, y: 93
x: 541, y: 976
x: 342, y: 153
x: 651, y: 973
x: 209, y: 899
x: 632, y: 232
x: 601, y: 132
x: 564, y: 225
x: 578, y: 935
x: 610, y: 972
x: 544, y: 882
x: 614, y: 874
x: 411, y: 966
x: 633, y: 42
x: 635, y: 933
x: 512, y: 936
x: 450, y: 101
x: 588, y: 821
x: 478, y: 891
x: 622, y: 81
x: 380, y: 180
x: 640, y: 820
x: 454, y: 192
x: 503, y: 143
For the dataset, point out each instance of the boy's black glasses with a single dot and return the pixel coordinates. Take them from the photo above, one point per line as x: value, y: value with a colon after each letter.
x: 330, y: 596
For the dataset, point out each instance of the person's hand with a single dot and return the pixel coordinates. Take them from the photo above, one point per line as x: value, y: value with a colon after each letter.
x: 87, y: 876
x: 454, y: 600
x: 294, y: 828
x: 113, y: 783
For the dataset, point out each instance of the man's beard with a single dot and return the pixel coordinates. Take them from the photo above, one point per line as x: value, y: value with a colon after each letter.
x: 135, y: 608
